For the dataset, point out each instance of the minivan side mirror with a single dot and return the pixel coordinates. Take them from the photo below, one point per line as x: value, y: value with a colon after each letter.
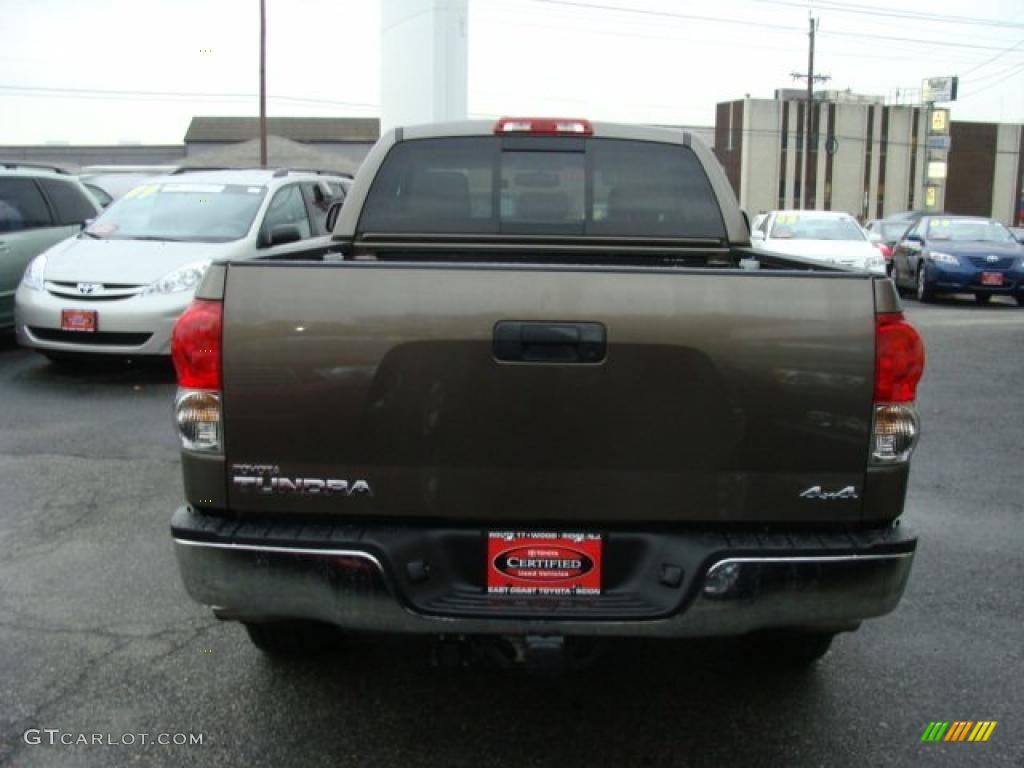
x: 913, y: 237
x: 332, y: 215
x: 281, y: 235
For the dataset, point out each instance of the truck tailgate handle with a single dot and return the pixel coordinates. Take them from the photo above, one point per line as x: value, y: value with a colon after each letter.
x: 520, y: 341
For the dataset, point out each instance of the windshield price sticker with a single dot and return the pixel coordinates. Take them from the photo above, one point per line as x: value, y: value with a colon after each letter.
x: 539, y: 563
x: 201, y: 188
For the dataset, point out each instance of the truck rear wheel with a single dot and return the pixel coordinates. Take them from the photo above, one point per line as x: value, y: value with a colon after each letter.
x: 788, y: 647
x: 293, y: 638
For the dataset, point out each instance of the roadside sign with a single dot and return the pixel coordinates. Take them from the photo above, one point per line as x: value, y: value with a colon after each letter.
x: 936, y: 170
x: 938, y: 142
x: 934, y: 89
x: 931, y: 194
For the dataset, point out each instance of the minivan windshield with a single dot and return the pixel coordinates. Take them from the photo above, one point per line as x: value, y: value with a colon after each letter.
x: 181, y: 211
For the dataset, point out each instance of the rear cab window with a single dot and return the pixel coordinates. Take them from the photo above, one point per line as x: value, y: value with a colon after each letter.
x: 519, y: 185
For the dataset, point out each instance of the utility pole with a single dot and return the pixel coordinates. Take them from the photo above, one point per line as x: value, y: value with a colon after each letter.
x: 811, y: 79
x: 263, y: 83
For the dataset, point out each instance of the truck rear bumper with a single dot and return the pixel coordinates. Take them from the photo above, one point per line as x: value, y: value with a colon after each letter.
x: 731, y: 583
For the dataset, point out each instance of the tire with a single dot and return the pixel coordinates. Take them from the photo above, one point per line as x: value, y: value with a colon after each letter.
x: 293, y: 638
x: 787, y: 647
x: 1020, y: 299
x: 982, y: 298
x: 922, y: 290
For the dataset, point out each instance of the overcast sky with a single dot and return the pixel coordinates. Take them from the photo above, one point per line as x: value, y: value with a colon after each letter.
x: 109, y: 71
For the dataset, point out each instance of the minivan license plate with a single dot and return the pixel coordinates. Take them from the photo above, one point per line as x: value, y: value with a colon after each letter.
x: 83, y: 320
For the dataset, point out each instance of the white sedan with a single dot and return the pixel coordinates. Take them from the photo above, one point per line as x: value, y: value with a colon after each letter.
x: 827, y: 236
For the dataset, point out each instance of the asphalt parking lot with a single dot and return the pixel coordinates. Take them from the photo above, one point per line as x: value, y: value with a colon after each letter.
x: 97, y: 635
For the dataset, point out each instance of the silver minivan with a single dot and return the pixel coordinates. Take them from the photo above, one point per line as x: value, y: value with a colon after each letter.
x: 119, y: 286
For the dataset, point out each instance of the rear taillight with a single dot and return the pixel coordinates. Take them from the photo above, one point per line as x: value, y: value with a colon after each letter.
x: 196, y: 351
x: 571, y: 125
x: 899, y: 359
x: 195, y: 345
x: 899, y: 364
x: 885, y: 249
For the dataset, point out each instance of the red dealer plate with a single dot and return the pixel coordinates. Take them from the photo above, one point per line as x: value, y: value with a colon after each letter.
x: 78, y: 320
x: 991, y: 278
x: 524, y: 563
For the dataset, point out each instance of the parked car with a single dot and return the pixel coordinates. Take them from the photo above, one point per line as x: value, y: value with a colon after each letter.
x: 118, y: 286
x: 828, y: 236
x: 884, y: 234
x: 960, y: 254
x: 547, y: 392
x: 1018, y: 232
x: 39, y: 206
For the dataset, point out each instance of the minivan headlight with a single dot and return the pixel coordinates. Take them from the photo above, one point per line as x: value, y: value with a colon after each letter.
x: 33, y: 277
x: 182, y: 279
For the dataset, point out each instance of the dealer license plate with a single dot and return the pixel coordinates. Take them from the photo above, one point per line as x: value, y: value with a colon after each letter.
x: 84, y: 320
x: 991, y: 278
x: 538, y: 563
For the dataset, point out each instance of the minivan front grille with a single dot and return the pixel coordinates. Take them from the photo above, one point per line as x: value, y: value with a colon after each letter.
x: 97, y: 291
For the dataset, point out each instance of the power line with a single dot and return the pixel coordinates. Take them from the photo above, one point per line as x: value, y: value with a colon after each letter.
x: 705, y: 39
x: 869, y: 10
x: 759, y: 25
x: 974, y: 81
x: 997, y: 56
x: 1000, y: 81
x: 912, y: 40
x: 107, y: 93
x: 666, y: 14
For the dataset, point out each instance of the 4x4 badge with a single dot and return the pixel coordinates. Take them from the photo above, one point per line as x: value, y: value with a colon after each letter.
x: 815, y: 492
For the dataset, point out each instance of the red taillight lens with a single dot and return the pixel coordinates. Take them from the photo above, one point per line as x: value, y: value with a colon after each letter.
x: 886, y: 250
x: 570, y: 125
x: 195, y: 345
x: 899, y: 359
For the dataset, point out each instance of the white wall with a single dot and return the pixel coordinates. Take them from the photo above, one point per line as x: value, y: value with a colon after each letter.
x: 897, y: 163
x: 848, y: 161
x: 792, y: 169
x: 423, y: 61
x: 1004, y: 180
x: 759, y: 169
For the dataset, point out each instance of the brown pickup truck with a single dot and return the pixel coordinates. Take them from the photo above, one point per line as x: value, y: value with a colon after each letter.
x: 540, y: 388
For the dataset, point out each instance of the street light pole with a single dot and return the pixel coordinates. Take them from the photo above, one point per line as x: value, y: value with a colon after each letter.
x: 263, y: 83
